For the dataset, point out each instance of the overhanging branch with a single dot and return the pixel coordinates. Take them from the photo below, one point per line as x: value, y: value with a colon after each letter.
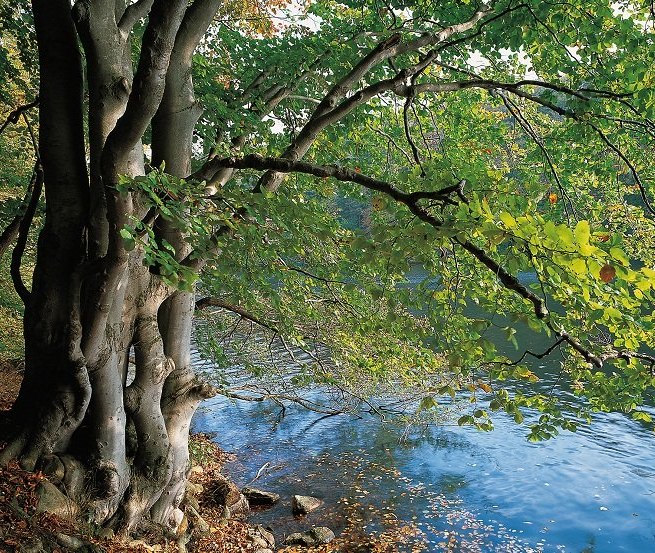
x: 204, y: 303
x: 410, y: 200
x: 133, y: 13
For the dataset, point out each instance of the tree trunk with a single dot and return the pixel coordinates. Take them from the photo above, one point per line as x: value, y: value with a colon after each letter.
x: 172, y: 130
x: 92, y: 302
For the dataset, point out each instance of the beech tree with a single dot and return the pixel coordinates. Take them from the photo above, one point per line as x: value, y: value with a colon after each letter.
x: 188, y: 147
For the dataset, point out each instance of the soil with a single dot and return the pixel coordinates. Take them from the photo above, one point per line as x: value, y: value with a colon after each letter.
x: 11, y: 375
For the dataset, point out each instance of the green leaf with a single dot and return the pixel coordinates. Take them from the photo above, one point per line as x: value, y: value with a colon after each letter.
x: 507, y: 219
x: 582, y: 232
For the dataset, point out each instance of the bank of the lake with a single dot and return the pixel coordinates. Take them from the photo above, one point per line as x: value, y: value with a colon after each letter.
x: 584, y: 492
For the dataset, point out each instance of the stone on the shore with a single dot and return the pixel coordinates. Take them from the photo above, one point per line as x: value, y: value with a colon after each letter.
x: 199, y: 523
x: 299, y: 538
x: 240, y: 508
x: 256, y: 496
x: 322, y: 535
x: 192, y: 501
x: 261, y: 538
x: 194, y: 489
x: 303, y: 504
x: 318, y: 535
x: 71, y: 543
x: 226, y: 493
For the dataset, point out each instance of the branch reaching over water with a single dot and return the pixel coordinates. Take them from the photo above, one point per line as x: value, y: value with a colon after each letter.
x: 203, y: 303
x: 411, y: 201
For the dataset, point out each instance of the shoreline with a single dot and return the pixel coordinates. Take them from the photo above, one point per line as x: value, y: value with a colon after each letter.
x: 204, y: 529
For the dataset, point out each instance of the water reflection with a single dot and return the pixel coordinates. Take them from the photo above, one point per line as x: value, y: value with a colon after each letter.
x: 590, y: 491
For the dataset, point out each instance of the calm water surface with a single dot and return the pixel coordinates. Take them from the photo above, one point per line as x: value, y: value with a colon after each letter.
x: 590, y: 491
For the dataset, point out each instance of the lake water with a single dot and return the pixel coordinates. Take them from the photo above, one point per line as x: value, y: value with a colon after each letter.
x: 461, y: 489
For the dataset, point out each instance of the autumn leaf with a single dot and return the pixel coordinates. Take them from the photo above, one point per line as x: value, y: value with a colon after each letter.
x: 378, y: 203
x: 607, y: 273
x: 484, y: 386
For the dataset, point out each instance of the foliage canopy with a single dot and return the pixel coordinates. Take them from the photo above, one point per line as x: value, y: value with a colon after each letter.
x: 511, y: 162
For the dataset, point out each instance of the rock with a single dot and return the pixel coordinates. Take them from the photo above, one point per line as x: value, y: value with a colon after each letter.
x: 299, y: 538
x: 194, y: 489
x: 263, y: 550
x: 303, y: 504
x: 53, y: 468
x: 241, y: 508
x: 175, y: 519
x: 226, y: 494
x: 197, y: 469
x: 74, y: 483
x: 66, y: 472
x: 192, y: 501
x: 140, y: 544
x: 318, y: 535
x: 321, y: 535
x: 52, y: 500
x: 256, y: 496
x: 262, y: 534
x: 182, y: 542
x: 224, y: 491
x: 105, y: 533
x: 69, y: 542
x: 259, y: 543
x: 199, y: 523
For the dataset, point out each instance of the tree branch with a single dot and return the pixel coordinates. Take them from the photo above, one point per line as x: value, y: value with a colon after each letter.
x: 148, y: 86
x: 203, y: 303
x: 133, y: 13
x: 13, y: 117
x: 196, y: 20
x: 143, y: 102
x: 333, y: 107
x: 282, y: 165
x: 23, y: 232
x: 527, y: 352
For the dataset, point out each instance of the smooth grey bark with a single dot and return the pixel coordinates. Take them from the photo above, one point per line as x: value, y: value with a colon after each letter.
x: 172, y: 131
x: 92, y: 300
